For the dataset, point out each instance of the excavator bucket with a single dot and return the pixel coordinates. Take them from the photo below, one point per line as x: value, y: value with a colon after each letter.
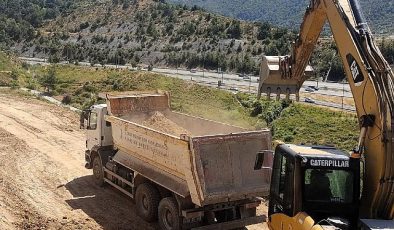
x: 275, y: 77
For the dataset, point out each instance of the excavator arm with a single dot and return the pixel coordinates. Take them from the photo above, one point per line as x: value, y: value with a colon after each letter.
x: 372, y: 84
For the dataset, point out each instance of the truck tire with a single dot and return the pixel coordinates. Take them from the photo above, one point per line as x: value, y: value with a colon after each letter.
x: 147, y: 199
x: 98, y: 172
x: 169, y: 218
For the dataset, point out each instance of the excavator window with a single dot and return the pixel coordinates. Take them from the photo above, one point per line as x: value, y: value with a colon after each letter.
x: 323, y: 185
x: 282, y: 185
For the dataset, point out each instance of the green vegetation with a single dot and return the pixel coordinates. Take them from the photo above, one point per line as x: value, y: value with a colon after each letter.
x: 292, y: 123
x: 387, y: 48
x: 149, y: 32
x: 12, y: 72
x: 9, y: 62
x: 49, y: 79
x: 327, y: 62
x: 79, y: 86
x: 313, y: 125
x: 289, y: 12
x: 6, y: 64
x: 299, y: 123
x: 18, y: 18
x: 153, y: 33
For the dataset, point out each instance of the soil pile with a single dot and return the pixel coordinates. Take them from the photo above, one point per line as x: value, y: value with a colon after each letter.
x: 161, y: 123
x: 43, y: 181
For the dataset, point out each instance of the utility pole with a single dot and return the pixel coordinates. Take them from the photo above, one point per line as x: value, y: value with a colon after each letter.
x: 116, y: 57
x: 68, y: 54
x: 116, y: 60
x: 250, y: 83
x: 203, y: 65
x: 45, y: 54
x: 243, y: 64
x: 343, y: 93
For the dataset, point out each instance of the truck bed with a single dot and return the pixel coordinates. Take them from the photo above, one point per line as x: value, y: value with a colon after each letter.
x: 176, y: 124
x: 210, y: 161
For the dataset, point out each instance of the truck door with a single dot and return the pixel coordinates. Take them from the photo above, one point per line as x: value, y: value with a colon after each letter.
x: 106, y: 129
x: 282, y: 184
x: 93, y: 130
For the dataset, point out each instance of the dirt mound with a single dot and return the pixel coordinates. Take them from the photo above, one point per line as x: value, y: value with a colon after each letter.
x: 43, y: 182
x: 161, y: 123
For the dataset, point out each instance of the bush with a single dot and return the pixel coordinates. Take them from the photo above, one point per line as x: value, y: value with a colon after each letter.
x: 49, y: 80
x: 288, y: 138
x: 89, y: 87
x: 14, y: 79
x: 32, y: 84
x: 14, y: 84
x: 66, y: 99
x: 257, y: 109
x: 83, y: 25
x: 25, y: 65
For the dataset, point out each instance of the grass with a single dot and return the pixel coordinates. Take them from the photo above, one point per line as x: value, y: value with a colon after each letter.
x: 289, y: 122
x: 83, y: 84
x: 332, y: 99
x: 305, y: 124
x: 5, y: 62
x: 10, y: 69
x: 75, y: 74
x: 317, y: 126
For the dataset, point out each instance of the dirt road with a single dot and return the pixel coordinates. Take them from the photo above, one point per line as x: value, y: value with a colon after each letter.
x: 43, y: 182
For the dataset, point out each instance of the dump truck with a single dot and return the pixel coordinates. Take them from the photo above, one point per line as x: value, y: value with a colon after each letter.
x: 184, y: 171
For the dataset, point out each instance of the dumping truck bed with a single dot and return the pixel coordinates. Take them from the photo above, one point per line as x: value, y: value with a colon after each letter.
x: 202, y: 162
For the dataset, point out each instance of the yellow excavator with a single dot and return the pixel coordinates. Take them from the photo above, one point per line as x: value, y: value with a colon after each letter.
x: 321, y: 187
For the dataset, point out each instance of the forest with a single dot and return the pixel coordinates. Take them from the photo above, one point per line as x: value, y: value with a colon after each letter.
x: 160, y: 34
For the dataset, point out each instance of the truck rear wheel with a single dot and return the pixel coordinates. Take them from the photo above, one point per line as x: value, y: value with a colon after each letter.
x: 147, y: 199
x: 98, y: 172
x: 169, y: 218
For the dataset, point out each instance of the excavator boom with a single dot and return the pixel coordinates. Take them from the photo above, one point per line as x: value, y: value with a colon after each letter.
x: 372, y: 84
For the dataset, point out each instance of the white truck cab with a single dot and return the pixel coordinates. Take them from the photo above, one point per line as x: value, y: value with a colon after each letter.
x: 99, y: 131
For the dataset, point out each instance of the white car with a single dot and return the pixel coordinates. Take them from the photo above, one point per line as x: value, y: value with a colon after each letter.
x: 233, y: 89
x: 309, y: 100
x: 309, y: 89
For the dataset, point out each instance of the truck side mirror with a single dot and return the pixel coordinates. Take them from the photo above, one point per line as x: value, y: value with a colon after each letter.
x: 83, y: 119
x: 263, y: 158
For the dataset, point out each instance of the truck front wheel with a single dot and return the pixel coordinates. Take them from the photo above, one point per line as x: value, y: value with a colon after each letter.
x: 98, y: 173
x: 169, y: 218
x: 147, y: 199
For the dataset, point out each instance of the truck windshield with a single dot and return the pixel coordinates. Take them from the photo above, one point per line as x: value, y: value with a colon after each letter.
x: 324, y: 185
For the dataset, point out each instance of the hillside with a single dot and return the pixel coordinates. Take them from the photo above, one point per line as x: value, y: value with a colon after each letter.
x: 155, y: 33
x: 146, y: 33
x: 379, y: 14
x: 19, y: 18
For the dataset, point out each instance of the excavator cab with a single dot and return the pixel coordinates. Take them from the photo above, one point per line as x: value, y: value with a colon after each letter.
x: 320, y: 181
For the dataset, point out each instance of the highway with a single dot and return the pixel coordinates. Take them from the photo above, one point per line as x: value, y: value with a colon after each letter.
x: 232, y: 82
